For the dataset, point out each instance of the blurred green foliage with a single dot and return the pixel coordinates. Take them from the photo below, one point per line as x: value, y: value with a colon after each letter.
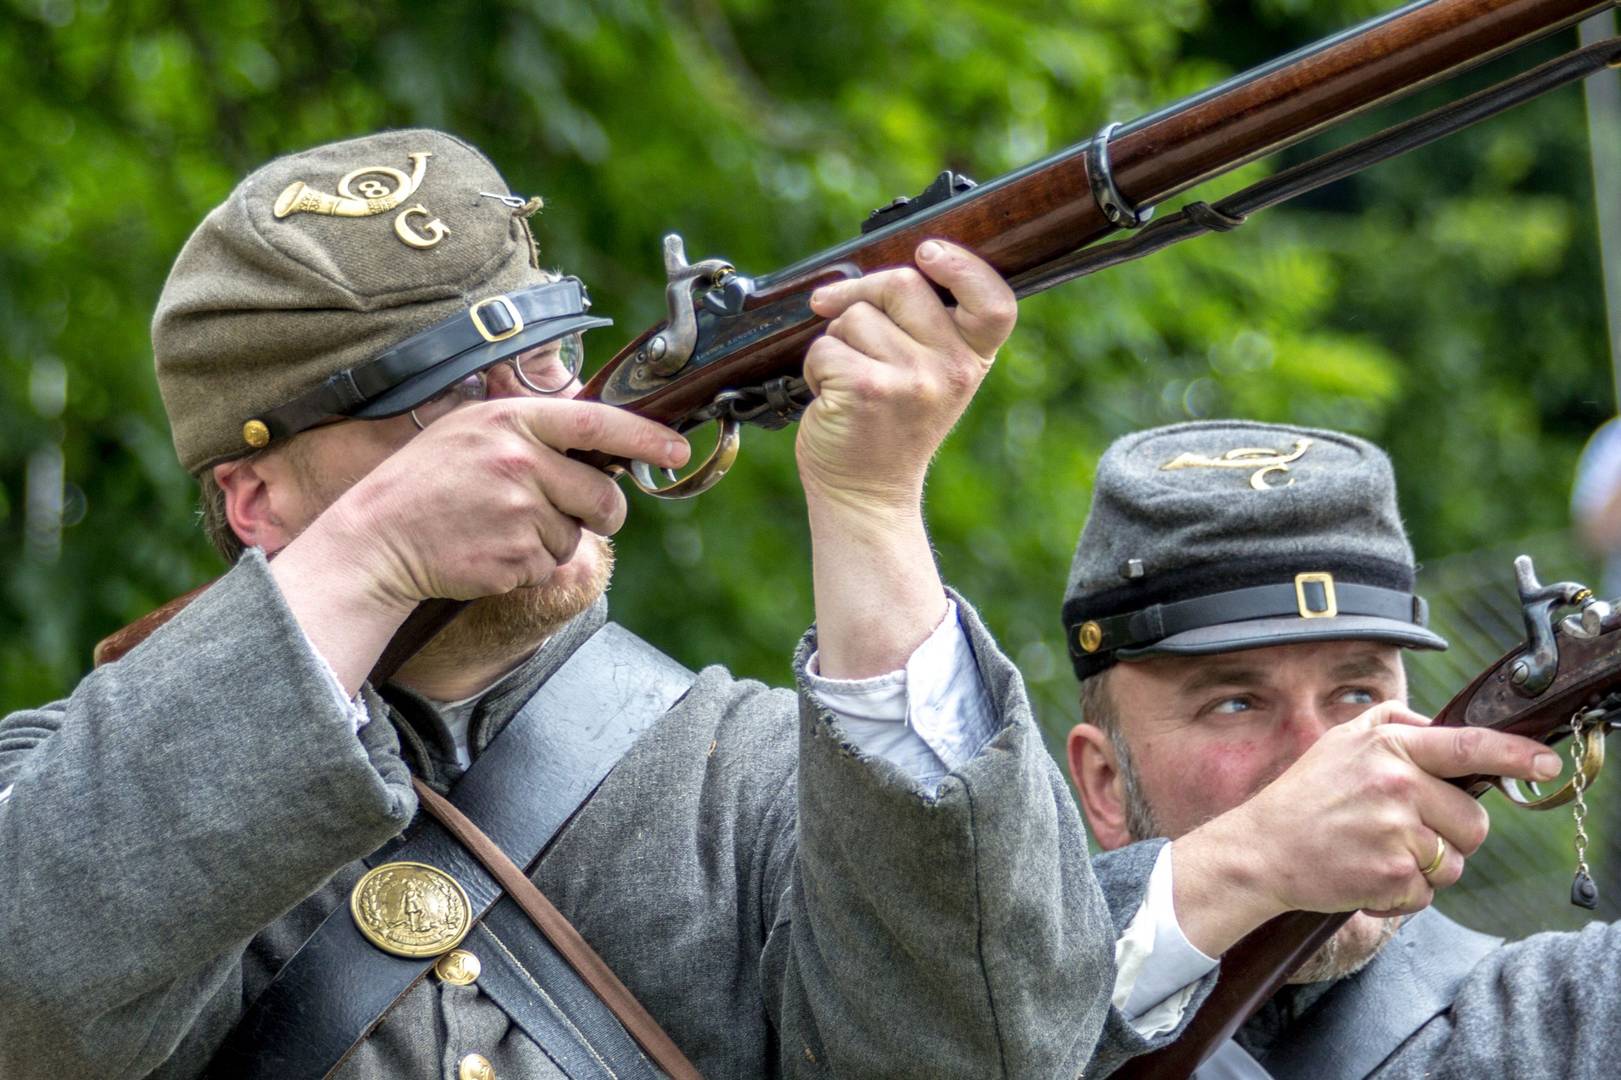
x: 1446, y: 305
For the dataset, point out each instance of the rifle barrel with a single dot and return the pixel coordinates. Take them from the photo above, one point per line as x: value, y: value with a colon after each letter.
x: 1034, y: 217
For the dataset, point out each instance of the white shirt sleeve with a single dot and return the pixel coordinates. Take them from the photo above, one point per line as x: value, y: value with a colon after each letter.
x: 358, y: 716
x: 1156, y: 965
x: 928, y: 718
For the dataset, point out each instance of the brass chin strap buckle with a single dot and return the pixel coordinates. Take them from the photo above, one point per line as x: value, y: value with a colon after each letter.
x: 513, y: 319
x: 698, y: 481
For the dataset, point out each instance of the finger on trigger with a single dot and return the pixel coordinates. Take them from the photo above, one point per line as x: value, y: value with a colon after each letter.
x: 1466, y: 751
x: 590, y: 425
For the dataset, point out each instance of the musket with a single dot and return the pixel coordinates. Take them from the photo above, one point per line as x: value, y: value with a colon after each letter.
x: 1563, y: 681
x: 728, y: 337
x: 731, y: 347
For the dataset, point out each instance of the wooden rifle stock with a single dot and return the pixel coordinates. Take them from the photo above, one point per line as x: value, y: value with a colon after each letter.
x: 1031, y: 224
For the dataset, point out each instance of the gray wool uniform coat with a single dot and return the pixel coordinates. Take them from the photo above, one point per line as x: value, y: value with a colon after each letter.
x: 1545, y: 1007
x: 781, y: 903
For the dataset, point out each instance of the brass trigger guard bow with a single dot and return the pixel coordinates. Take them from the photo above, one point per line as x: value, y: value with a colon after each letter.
x: 705, y: 476
x: 1592, y: 758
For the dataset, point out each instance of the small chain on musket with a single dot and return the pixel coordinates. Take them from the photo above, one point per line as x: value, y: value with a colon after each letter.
x: 1583, y: 892
x: 1578, y: 751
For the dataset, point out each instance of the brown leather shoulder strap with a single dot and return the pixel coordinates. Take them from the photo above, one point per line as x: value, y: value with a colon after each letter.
x: 564, y: 938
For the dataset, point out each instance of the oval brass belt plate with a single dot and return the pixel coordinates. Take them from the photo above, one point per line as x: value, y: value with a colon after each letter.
x: 411, y: 909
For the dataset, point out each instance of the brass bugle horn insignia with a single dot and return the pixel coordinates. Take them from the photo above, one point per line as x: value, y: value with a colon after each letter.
x: 1264, y: 461
x: 374, y: 196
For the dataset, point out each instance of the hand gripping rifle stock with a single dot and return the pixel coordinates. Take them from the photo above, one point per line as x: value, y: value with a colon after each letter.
x: 732, y: 347
x: 1563, y: 679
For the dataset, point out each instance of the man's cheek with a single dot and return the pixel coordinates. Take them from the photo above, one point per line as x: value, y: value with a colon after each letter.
x: 1195, y: 781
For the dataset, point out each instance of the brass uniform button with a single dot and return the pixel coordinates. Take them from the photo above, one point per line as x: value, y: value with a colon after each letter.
x: 1091, y: 636
x: 411, y: 909
x: 475, y: 1067
x: 255, y: 434
x: 458, y: 967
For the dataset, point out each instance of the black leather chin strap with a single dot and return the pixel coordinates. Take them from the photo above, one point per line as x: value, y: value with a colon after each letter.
x: 1305, y: 600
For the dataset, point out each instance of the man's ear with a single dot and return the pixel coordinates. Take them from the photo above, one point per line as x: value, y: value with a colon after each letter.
x: 250, y: 506
x: 1096, y: 772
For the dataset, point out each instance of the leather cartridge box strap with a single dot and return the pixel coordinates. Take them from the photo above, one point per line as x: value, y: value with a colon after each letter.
x: 520, y: 792
x: 1354, y: 1028
x: 520, y: 986
x: 1225, y: 535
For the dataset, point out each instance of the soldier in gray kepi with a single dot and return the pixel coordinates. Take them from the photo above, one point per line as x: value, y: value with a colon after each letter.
x: 210, y: 854
x: 1209, y: 537
x: 1236, y: 613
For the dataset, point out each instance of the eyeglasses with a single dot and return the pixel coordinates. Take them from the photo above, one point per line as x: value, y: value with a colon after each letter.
x: 412, y: 375
x: 546, y: 369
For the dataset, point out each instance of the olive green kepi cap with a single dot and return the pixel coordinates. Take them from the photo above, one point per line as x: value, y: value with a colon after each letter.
x: 317, y: 263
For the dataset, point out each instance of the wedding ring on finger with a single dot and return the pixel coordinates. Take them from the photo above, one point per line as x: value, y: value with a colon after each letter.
x: 1440, y: 857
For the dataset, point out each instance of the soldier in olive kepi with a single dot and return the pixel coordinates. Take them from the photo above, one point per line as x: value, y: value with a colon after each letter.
x: 211, y: 855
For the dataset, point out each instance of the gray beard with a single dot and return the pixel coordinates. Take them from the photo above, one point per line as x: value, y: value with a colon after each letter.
x: 1344, y: 954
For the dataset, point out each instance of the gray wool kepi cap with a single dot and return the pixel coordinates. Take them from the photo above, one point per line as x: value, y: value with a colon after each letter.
x: 1223, y: 535
x: 319, y: 262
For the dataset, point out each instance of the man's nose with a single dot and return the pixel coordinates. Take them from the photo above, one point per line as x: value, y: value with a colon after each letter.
x: 501, y: 381
x: 1304, y: 724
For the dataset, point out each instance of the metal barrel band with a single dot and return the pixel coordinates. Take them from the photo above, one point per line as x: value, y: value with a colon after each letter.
x: 1100, y: 175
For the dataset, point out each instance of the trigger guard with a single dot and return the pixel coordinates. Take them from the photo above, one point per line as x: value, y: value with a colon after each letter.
x: 701, y: 479
x: 1592, y: 762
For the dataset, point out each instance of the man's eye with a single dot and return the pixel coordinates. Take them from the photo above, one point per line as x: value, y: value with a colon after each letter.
x: 1359, y: 695
x: 1228, y: 706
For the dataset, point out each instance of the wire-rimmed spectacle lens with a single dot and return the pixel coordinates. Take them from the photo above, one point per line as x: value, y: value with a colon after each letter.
x: 545, y: 369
